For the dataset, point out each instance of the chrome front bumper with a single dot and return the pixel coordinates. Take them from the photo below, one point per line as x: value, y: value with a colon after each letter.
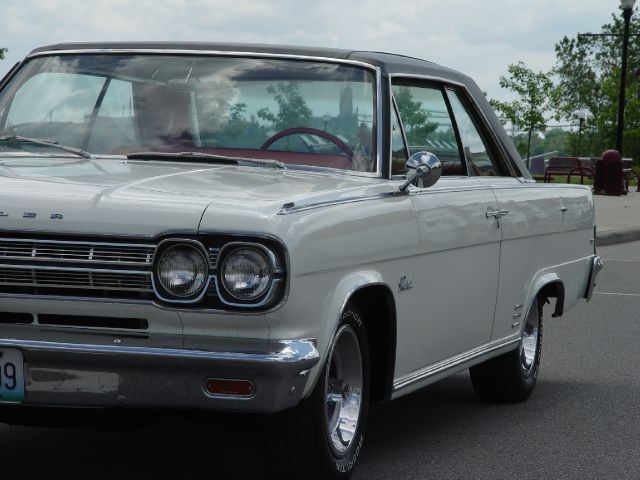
x: 76, y: 369
x: 595, y: 265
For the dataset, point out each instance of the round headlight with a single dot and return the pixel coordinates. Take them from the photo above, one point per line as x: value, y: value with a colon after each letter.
x: 246, y: 273
x: 182, y: 270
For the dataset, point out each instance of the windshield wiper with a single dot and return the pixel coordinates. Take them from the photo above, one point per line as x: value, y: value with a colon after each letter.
x: 47, y: 143
x: 242, y: 161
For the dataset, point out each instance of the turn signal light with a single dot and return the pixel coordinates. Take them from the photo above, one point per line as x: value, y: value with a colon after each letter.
x: 224, y: 387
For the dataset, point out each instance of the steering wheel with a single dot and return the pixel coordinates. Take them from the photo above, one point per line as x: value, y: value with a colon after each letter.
x: 312, y: 131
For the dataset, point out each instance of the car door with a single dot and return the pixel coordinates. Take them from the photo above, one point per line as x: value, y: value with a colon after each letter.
x: 533, y: 216
x: 456, y: 273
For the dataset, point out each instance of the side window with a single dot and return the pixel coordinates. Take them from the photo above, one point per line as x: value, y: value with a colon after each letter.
x: 398, y: 148
x: 428, y: 126
x: 478, y: 157
x: 114, y: 124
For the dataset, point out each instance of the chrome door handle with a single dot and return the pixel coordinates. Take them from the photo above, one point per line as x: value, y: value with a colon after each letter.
x: 497, y: 213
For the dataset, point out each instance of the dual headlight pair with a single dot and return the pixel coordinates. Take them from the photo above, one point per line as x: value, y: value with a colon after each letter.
x: 245, y: 272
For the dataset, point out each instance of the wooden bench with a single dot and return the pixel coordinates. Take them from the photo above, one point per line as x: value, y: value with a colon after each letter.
x: 568, y: 166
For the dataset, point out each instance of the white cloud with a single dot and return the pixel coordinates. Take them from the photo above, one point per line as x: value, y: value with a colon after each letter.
x: 479, y: 37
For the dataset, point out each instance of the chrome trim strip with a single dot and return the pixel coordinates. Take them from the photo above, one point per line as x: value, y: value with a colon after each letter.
x: 65, y: 298
x: 187, y: 51
x: 75, y: 242
x: 81, y: 287
x: 73, y: 269
x: 291, y: 351
x: 377, y: 70
x: 453, y: 362
x: 327, y: 203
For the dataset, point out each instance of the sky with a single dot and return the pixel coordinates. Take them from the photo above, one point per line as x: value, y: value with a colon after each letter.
x: 478, y: 37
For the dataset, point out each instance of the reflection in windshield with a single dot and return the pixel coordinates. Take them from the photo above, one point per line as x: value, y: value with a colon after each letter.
x: 297, y: 112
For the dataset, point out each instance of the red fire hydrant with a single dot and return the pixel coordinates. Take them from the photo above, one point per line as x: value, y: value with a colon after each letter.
x: 608, y: 179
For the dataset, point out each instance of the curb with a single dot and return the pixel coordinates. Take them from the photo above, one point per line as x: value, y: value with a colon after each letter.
x: 620, y: 235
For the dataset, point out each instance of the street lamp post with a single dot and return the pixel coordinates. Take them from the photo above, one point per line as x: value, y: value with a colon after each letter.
x: 627, y: 11
x: 582, y: 116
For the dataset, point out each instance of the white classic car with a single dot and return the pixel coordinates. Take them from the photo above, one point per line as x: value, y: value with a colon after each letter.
x: 291, y: 231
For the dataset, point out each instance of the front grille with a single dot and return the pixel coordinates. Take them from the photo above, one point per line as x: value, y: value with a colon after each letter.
x: 69, y: 251
x: 213, y: 257
x: 75, y: 278
x: 76, y: 268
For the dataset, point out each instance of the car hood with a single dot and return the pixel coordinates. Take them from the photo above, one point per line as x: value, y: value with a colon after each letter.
x: 149, y: 198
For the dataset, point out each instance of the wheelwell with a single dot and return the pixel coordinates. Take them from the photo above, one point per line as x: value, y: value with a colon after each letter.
x: 553, y: 290
x: 379, y: 311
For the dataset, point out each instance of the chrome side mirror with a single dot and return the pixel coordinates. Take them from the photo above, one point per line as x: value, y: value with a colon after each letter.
x: 423, y: 169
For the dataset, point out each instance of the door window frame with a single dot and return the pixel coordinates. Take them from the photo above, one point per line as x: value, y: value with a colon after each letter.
x: 479, y: 119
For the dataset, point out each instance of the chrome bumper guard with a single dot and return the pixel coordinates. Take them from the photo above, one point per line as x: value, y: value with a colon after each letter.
x: 154, y: 372
x: 595, y: 265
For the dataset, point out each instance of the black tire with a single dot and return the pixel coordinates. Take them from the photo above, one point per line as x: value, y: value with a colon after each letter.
x: 511, y: 377
x: 298, y: 442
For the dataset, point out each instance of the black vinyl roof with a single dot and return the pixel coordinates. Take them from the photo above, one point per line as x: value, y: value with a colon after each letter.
x: 388, y: 62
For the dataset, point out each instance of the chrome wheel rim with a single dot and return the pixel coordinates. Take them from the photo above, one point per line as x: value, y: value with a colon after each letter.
x: 343, y: 390
x: 530, y: 339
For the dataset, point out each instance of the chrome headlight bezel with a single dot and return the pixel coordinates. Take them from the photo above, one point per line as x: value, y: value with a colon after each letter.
x: 272, y: 290
x: 162, y: 291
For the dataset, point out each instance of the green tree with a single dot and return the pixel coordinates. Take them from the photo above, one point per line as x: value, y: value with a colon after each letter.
x: 588, y: 77
x: 292, y: 108
x: 3, y: 51
x: 533, y: 92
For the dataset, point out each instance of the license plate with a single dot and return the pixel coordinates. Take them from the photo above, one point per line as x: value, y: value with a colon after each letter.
x: 11, y: 376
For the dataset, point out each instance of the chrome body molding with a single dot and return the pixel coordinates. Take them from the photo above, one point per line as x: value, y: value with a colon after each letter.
x: 127, y: 373
x: 293, y: 208
x: 459, y: 362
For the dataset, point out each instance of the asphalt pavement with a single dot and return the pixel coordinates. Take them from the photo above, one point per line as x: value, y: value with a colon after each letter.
x: 582, y: 421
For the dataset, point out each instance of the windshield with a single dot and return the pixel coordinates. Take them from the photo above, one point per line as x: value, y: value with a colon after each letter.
x: 296, y: 112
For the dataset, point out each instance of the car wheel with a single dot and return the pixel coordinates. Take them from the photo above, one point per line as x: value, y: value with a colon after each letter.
x: 511, y: 377
x: 322, y: 437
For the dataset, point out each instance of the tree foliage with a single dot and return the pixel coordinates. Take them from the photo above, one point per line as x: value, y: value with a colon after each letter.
x: 588, y: 77
x: 533, y: 93
x: 3, y: 51
x: 292, y: 108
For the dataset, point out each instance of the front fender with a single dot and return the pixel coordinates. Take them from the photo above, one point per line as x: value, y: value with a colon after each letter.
x: 317, y: 316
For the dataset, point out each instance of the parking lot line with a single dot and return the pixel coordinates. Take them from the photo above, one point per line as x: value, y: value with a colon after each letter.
x: 620, y: 294
x: 618, y: 260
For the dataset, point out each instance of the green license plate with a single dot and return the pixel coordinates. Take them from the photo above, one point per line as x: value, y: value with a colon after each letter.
x: 11, y: 376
